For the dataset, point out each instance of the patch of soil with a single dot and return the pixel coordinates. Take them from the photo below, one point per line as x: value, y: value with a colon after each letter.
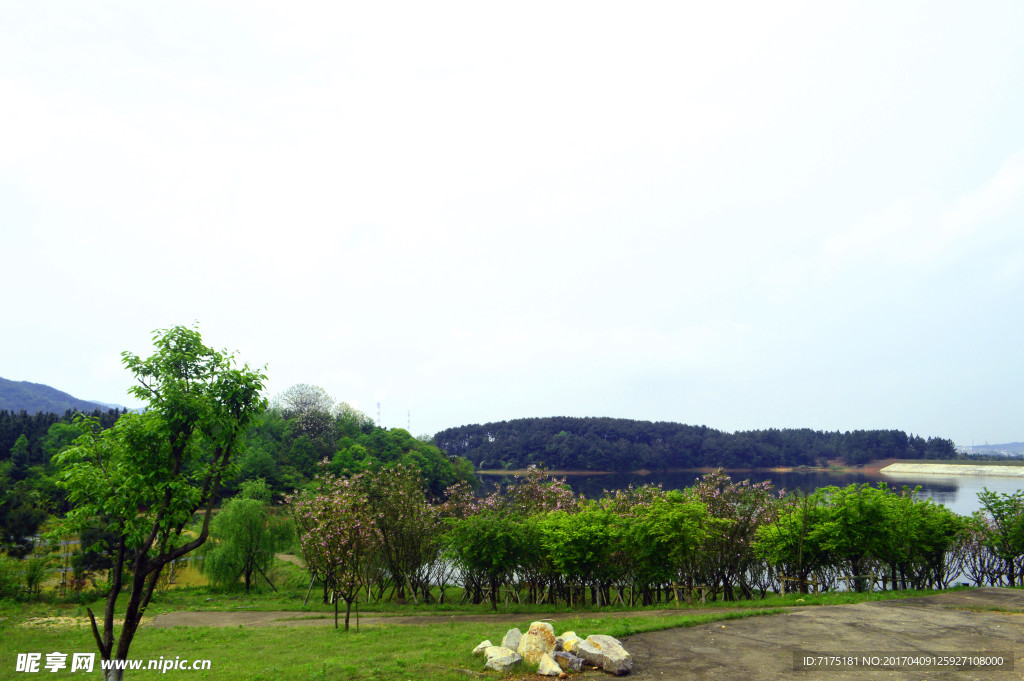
x: 960, y: 623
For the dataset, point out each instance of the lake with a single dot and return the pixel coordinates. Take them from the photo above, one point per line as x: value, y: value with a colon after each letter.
x: 959, y: 493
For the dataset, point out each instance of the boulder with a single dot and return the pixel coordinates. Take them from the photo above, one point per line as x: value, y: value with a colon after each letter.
x: 501, y: 659
x: 568, y: 661
x: 512, y: 639
x: 479, y: 650
x: 606, y: 653
x: 567, y: 641
x: 539, y: 640
x: 548, y: 667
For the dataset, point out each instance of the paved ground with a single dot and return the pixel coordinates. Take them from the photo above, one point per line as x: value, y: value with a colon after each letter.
x: 961, y: 623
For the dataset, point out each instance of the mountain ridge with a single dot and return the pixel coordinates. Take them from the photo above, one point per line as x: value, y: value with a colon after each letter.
x: 38, y: 397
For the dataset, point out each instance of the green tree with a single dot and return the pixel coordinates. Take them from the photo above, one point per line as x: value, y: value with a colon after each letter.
x: 580, y: 545
x: 20, y: 457
x: 151, y: 472
x: 58, y: 438
x: 244, y: 537
x: 664, y: 537
x: 794, y: 542
x: 852, y: 530
x: 1006, y: 535
x: 488, y: 543
x: 21, y: 515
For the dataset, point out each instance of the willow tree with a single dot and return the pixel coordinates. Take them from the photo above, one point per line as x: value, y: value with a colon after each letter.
x: 244, y: 537
x: 149, y: 474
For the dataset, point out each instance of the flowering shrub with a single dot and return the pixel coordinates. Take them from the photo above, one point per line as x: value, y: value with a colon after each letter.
x: 338, y: 534
x: 737, y: 510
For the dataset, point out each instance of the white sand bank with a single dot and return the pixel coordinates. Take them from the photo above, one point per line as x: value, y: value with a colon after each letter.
x: 952, y: 469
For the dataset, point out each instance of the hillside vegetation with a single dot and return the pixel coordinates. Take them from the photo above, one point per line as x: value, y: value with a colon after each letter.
x: 565, y: 443
x: 35, y: 397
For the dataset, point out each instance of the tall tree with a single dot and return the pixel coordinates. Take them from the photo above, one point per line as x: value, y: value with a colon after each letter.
x: 309, y: 407
x: 151, y: 472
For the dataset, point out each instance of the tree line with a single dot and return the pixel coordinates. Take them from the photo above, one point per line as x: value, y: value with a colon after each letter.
x: 285, y: 447
x: 623, y: 444
x: 28, y: 482
x: 379, y: 536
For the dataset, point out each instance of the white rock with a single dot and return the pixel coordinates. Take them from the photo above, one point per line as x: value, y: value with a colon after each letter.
x: 548, y: 667
x: 607, y: 653
x: 512, y: 639
x: 539, y: 640
x: 566, y: 641
x: 479, y: 650
x: 501, y: 659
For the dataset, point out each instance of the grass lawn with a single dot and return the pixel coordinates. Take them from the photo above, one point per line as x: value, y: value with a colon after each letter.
x: 381, y: 653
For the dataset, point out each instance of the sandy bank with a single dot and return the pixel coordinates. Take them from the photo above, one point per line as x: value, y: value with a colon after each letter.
x: 952, y: 469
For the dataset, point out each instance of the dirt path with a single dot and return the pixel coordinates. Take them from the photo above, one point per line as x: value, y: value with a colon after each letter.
x: 959, y: 623
x: 297, y: 618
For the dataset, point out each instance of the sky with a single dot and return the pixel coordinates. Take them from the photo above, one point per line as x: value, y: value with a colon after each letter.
x: 740, y: 214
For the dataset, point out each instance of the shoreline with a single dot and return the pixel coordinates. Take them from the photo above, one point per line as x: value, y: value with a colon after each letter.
x: 880, y: 467
x: 873, y: 467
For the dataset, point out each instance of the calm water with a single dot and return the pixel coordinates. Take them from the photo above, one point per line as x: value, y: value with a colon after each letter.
x: 958, y: 493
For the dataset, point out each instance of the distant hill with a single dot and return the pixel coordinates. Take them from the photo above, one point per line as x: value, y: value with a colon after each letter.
x: 575, y: 443
x: 36, y: 397
x: 1005, y: 449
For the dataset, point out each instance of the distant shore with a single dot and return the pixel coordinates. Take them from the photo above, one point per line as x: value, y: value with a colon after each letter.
x: 953, y: 469
x: 885, y: 466
x: 867, y: 468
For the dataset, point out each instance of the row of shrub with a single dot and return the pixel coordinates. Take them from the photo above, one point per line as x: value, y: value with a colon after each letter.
x: 378, y: 536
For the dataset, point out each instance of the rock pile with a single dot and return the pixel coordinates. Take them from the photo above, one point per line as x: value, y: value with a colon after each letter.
x: 556, y: 655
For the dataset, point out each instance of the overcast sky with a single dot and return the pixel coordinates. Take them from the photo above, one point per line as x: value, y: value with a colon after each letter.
x: 744, y: 215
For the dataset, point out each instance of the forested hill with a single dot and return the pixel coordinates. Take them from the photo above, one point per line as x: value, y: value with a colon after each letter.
x: 33, y: 398
x: 564, y: 442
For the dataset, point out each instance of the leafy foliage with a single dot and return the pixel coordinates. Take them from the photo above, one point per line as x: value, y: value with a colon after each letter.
x: 243, y: 539
x: 149, y: 473
x: 304, y: 428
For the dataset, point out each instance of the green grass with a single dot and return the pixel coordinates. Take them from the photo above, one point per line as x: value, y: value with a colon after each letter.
x: 382, y: 653
x: 290, y: 599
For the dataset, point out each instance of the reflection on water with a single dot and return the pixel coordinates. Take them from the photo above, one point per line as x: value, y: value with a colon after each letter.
x: 958, y: 493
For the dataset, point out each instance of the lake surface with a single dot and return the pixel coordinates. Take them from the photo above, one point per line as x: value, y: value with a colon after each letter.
x: 959, y: 493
